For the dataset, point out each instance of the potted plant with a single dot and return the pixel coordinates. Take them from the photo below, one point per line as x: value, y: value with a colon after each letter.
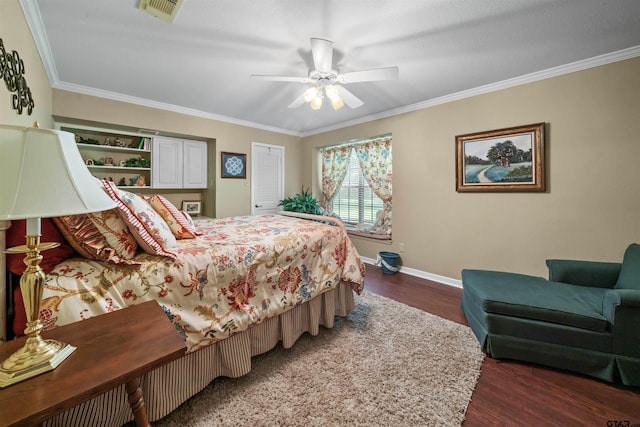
x: 303, y: 202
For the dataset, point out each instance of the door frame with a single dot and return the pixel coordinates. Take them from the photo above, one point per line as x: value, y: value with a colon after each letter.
x: 254, y: 145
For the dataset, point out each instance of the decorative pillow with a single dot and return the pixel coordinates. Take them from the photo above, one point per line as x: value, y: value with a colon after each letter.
x: 87, y: 239
x: 177, y: 222
x: 115, y: 230
x: 189, y: 220
x: 149, y: 229
x: 48, y: 233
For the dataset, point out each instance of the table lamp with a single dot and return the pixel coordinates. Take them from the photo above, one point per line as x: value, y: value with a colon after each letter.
x: 42, y: 175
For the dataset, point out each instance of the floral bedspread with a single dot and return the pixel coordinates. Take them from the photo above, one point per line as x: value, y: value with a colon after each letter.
x: 240, y: 271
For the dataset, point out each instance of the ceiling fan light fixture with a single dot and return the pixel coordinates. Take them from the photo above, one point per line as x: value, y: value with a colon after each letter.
x: 332, y: 92
x: 334, y: 95
x: 328, y: 81
x: 310, y: 94
x: 316, y: 103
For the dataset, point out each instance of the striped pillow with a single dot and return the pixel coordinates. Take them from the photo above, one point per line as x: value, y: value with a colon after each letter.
x: 177, y: 222
x: 148, y: 228
x: 189, y: 220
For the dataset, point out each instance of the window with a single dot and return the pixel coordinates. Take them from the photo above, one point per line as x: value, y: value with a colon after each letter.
x: 355, y: 202
x: 357, y: 181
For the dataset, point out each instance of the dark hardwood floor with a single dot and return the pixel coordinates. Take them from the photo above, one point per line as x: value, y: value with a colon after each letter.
x: 511, y: 393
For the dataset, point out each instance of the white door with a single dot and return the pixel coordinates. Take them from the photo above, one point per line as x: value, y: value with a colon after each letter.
x: 267, y: 178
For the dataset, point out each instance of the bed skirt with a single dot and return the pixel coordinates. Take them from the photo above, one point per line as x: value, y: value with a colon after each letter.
x: 168, y: 387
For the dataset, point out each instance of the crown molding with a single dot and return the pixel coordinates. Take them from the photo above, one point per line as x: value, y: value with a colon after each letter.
x: 573, y: 67
x: 114, y: 96
x: 34, y: 21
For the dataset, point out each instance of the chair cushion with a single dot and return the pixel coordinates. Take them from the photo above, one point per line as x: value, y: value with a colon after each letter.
x: 536, y: 298
x: 629, y: 277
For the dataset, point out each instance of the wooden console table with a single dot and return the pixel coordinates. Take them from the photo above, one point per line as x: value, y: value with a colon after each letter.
x: 112, y: 349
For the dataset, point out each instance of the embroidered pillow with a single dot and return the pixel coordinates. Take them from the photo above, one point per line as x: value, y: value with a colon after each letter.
x: 83, y: 235
x: 149, y: 229
x: 177, y: 222
x: 115, y: 230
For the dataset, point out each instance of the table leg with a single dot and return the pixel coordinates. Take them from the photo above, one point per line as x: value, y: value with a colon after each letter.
x: 136, y: 401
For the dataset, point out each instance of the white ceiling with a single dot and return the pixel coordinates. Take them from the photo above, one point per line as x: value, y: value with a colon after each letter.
x: 202, y: 63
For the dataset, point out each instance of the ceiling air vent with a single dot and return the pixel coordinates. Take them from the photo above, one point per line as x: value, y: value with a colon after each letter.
x: 163, y: 9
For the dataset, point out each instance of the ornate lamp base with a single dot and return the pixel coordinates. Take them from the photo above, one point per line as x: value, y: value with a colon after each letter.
x: 37, y: 356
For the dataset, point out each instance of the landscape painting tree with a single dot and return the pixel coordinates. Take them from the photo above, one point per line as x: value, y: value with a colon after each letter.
x: 475, y: 160
x: 502, y: 162
x: 505, y: 153
x: 501, y: 153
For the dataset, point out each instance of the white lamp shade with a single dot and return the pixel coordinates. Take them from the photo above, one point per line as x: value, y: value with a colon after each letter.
x: 42, y: 175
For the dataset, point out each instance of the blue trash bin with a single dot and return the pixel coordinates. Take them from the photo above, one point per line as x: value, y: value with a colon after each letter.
x: 389, y: 262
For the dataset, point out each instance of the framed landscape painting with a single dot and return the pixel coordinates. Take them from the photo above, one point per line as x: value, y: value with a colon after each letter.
x: 510, y: 159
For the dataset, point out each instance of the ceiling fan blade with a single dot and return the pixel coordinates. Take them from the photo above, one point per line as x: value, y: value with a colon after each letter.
x: 297, y: 102
x: 387, y: 73
x: 282, y: 78
x: 322, y: 51
x: 350, y: 99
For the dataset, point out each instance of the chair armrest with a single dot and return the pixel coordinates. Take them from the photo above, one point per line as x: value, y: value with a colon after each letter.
x: 621, y: 308
x: 584, y: 273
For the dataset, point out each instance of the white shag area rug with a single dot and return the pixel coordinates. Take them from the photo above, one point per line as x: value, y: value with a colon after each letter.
x: 386, y: 364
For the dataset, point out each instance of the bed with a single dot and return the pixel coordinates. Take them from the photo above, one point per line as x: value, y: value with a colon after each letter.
x: 237, y: 289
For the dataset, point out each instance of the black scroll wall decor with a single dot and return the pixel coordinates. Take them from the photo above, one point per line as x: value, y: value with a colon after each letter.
x: 12, y: 72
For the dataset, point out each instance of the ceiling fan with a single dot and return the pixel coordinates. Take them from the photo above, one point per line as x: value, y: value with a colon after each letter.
x: 327, y: 81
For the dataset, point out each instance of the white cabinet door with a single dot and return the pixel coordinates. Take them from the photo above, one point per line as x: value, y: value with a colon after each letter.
x: 178, y: 163
x: 195, y: 164
x: 167, y: 162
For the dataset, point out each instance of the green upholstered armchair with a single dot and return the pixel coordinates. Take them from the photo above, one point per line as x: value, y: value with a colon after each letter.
x: 584, y: 318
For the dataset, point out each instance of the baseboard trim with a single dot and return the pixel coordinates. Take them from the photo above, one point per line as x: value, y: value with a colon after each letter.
x: 422, y: 274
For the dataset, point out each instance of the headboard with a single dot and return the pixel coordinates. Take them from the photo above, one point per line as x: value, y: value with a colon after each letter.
x: 4, y: 226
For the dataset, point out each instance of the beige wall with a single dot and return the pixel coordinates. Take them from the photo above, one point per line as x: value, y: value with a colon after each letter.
x: 15, y: 35
x: 590, y: 211
x: 231, y: 196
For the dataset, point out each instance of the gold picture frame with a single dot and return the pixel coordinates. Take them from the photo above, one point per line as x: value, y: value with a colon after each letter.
x: 501, y: 160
